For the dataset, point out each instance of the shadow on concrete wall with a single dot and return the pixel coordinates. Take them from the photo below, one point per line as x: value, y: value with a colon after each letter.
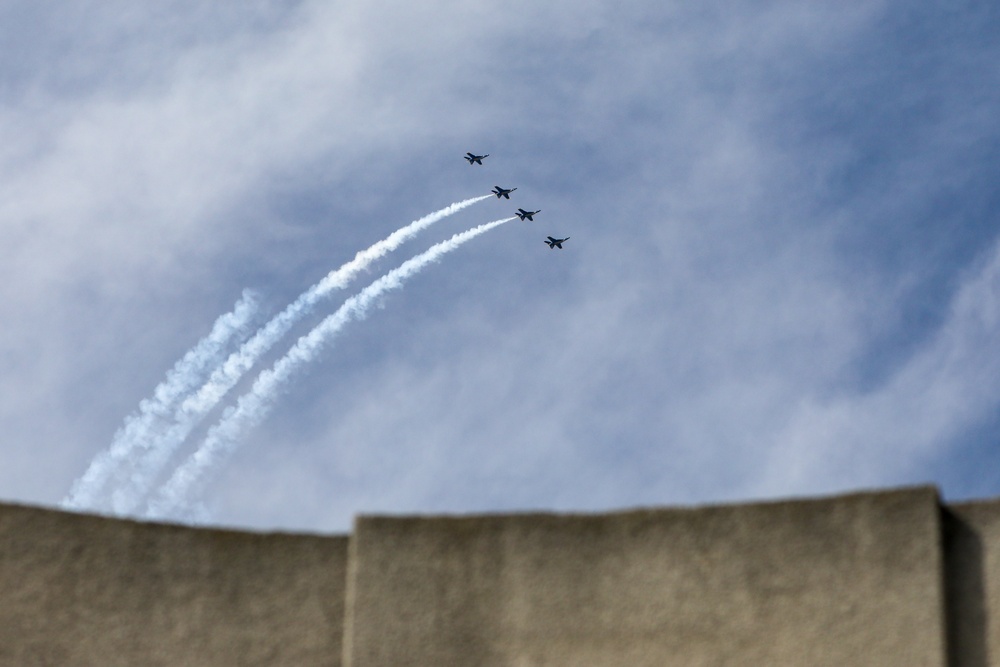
x: 965, y: 593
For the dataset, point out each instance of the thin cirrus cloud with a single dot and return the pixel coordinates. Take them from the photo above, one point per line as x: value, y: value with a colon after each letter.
x: 779, y: 277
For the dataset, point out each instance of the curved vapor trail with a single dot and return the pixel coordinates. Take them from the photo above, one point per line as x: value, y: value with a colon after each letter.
x: 194, y: 408
x: 144, y: 426
x: 253, y: 406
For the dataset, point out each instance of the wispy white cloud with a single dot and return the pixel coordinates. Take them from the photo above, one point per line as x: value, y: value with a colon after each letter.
x: 890, y: 433
x: 775, y: 212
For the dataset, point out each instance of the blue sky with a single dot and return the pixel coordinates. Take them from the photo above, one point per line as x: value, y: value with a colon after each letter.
x: 783, y: 277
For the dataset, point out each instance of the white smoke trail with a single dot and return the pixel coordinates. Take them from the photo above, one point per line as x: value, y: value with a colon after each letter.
x: 142, y: 427
x: 253, y: 406
x: 194, y: 408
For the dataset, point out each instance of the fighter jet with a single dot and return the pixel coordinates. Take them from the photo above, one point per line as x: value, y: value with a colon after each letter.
x: 500, y: 192
x: 556, y: 243
x: 521, y: 213
x: 478, y: 159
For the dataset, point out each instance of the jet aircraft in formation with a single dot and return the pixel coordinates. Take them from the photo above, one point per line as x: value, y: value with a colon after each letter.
x: 505, y: 193
x: 500, y: 192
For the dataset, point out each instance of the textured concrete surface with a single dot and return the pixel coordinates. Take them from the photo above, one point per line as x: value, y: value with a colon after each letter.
x: 853, y: 580
x: 972, y: 579
x: 82, y: 590
x: 886, y: 578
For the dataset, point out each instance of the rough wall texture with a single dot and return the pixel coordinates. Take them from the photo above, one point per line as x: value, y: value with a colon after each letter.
x: 889, y: 578
x: 854, y: 580
x: 83, y: 590
x: 972, y: 576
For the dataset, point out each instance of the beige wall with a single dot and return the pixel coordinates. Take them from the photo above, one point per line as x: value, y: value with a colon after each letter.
x: 972, y: 551
x: 887, y: 578
x: 854, y: 580
x: 81, y: 590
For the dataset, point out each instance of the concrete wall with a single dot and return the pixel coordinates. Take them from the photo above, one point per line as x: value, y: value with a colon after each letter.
x: 854, y: 580
x: 972, y: 576
x: 888, y: 578
x: 81, y: 590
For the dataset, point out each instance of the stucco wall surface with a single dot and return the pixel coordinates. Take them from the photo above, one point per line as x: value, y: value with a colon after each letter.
x: 83, y: 590
x: 852, y: 580
x: 972, y: 555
